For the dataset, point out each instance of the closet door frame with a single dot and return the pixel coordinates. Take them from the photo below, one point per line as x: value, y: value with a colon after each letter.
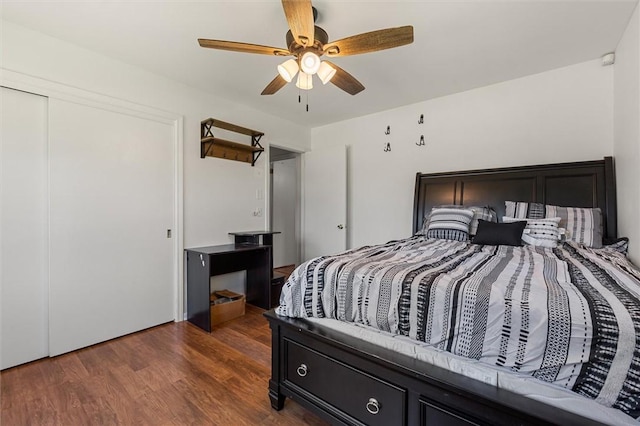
x: 53, y: 90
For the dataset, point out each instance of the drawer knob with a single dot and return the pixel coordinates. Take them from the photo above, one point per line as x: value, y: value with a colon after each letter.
x: 302, y: 370
x: 373, y: 406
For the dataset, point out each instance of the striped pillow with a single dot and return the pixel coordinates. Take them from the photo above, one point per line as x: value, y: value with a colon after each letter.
x: 583, y: 225
x: 479, y: 212
x: 539, y: 232
x: 449, y: 223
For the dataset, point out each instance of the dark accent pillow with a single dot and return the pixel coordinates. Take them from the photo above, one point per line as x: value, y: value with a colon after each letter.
x: 499, y: 234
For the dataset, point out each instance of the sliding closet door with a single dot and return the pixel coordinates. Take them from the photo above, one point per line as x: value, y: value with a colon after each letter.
x: 112, y: 205
x: 23, y: 228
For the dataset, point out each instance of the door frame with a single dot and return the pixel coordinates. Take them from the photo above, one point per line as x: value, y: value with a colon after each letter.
x: 26, y: 83
x: 297, y: 155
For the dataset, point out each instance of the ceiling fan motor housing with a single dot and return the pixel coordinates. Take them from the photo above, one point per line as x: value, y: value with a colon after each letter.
x: 320, y: 39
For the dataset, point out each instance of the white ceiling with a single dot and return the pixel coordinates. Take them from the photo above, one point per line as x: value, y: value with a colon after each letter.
x: 459, y: 45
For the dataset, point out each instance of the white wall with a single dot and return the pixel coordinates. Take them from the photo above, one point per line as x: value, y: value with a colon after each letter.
x: 219, y: 195
x: 626, y: 146
x: 212, y: 206
x: 556, y: 116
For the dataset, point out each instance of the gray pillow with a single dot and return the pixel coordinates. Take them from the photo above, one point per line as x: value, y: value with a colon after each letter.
x: 449, y: 223
x: 479, y: 212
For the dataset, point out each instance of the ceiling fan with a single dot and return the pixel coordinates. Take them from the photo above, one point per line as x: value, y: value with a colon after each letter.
x: 307, y: 43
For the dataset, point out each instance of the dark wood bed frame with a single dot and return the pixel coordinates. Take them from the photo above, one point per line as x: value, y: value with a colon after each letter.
x: 350, y: 381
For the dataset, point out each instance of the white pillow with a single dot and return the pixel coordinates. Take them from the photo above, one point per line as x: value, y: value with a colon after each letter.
x: 539, y: 232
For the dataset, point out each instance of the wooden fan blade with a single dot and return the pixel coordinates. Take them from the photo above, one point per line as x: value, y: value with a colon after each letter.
x: 299, y: 16
x: 235, y: 46
x: 370, y: 42
x: 345, y: 81
x: 275, y: 85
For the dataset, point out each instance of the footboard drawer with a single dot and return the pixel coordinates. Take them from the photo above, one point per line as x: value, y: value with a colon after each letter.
x: 364, y: 398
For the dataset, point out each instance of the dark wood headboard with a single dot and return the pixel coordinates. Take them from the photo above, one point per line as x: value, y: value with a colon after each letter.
x: 579, y: 184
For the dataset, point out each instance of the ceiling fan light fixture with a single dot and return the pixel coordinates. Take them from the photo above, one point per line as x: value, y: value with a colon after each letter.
x: 305, y: 81
x: 288, y: 69
x: 310, y: 63
x: 326, y: 72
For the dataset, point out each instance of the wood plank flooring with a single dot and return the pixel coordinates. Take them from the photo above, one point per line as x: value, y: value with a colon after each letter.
x: 173, y: 374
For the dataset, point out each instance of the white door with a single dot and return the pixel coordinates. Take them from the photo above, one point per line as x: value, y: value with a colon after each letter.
x: 325, y: 201
x: 112, y: 202
x: 23, y: 228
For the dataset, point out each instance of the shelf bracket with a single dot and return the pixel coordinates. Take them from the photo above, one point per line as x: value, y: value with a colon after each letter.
x: 255, y: 141
x: 206, y: 129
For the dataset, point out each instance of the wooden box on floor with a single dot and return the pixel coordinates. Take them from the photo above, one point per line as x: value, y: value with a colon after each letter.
x: 223, y: 312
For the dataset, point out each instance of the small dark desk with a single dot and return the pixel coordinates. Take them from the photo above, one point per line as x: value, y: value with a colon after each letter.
x: 256, y: 237
x: 206, y: 262
x: 266, y: 238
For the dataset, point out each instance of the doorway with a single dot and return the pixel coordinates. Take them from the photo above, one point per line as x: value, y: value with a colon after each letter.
x: 284, y: 207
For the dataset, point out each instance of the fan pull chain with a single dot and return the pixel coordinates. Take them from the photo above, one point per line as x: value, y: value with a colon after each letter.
x: 299, y: 97
x: 307, y: 100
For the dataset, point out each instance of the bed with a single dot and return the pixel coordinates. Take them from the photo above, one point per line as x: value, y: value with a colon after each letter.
x: 327, y: 356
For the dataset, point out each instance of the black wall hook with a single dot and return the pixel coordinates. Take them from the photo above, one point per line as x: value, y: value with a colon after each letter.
x: 421, y: 143
x: 388, y: 132
x: 421, y: 121
x: 387, y: 147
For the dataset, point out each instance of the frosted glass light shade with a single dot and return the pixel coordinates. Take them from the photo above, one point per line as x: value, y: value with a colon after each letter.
x: 305, y: 81
x: 288, y: 69
x: 326, y: 72
x: 310, y: 63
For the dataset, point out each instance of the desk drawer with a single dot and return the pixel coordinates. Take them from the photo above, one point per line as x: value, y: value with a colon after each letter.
x: 361, y: 396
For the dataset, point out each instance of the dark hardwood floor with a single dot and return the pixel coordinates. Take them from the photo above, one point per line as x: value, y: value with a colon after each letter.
x: 173, y: 374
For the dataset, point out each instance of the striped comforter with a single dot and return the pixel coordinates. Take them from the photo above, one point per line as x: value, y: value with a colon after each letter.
x: 569, y: 315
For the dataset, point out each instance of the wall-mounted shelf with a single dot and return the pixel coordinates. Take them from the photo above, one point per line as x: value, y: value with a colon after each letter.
x: 211, y: 146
